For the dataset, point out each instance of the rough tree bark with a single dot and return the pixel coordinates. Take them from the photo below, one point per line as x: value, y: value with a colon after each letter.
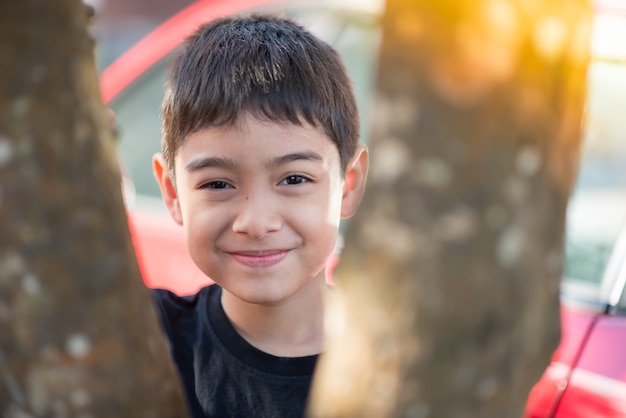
x: 79, y: 335
x: 448, y: 286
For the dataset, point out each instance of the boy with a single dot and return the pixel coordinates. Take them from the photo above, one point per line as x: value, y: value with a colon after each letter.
x: 260, y: 162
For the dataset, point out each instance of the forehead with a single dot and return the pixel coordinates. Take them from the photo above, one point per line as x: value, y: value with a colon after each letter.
x: 250, y: 138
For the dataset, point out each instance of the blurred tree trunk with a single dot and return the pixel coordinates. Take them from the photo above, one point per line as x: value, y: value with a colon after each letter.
x: 448, y: 287
x: 79, y: 336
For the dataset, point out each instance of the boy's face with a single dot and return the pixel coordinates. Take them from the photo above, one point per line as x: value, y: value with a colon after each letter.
x: 261, y: 204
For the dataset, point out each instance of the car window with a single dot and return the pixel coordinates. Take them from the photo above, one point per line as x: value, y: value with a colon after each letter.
x: 137, y: 111
x: 355, y: 35
x: 597, y: 208
x: 621, y: 307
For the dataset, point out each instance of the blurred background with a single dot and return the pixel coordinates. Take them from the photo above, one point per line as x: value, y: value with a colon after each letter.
x: 132, y: 85
x: 121, y: 23
x: 134, y: 91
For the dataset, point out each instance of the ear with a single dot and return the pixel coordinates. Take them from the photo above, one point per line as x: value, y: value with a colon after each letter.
x: 168, y: 188
x: 354, y: 184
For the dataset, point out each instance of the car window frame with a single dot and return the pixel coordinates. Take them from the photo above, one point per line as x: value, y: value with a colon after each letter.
x: 614, y: 278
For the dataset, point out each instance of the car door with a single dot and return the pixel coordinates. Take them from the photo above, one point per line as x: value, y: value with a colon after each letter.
x: 597, y: 384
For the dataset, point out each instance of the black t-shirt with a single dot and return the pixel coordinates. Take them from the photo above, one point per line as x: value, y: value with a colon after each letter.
x: 223, y: 375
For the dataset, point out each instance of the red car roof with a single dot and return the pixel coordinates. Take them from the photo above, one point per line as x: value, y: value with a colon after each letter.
x: 163, y: 40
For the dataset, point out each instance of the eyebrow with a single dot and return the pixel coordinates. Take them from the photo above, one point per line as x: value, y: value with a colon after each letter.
x: 210, y: 162
x: 296, y: 156
x: 221, y: 162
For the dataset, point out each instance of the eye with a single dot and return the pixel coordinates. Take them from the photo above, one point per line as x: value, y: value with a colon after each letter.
x: 216, y: 185
x: 295, y: 180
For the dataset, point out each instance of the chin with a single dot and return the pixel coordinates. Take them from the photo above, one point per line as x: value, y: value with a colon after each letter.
x: 263, y: 297
x: 272, y: 293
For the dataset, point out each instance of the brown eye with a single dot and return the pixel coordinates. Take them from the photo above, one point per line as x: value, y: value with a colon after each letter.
x: 294, y: 180
x: 216, y: 185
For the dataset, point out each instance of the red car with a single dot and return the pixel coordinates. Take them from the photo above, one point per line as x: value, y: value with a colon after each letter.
x: 587, y: 377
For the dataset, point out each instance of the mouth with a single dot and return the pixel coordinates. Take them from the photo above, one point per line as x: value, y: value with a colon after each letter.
x: 265, y: 258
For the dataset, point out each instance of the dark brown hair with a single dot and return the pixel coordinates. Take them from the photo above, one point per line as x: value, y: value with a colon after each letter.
x: 262, y: 64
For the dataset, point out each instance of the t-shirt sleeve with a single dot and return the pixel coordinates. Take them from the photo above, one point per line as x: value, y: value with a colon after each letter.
x: 176, y: 313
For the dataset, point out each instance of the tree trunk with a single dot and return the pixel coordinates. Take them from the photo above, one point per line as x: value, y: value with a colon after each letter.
x: 79, y: 335
x: 448, y: 288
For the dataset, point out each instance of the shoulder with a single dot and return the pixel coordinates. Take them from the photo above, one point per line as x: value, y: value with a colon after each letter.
x: 169, y: 299
x: 180, y: 311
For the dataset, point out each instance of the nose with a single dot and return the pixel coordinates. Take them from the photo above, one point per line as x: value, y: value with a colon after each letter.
x: 256, y: 216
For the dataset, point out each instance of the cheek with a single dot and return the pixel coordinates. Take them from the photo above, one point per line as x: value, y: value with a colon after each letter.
x: 318, y: 221
x: 203, y: 225
x: 203, y: 230
x: 197, y: 237
x: 334, y: 206
x: 319, y: 210
x: 206, y: 220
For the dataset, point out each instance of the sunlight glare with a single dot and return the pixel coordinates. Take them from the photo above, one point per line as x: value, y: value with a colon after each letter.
x: 608, y: 38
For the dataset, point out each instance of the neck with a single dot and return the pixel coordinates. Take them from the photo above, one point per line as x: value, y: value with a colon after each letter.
x: 290, y: 328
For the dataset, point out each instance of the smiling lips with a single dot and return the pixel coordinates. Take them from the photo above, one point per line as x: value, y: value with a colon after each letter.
x: 260, y: 258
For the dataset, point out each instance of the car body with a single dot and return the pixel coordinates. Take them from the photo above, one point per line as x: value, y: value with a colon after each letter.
x: 587, y: 376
